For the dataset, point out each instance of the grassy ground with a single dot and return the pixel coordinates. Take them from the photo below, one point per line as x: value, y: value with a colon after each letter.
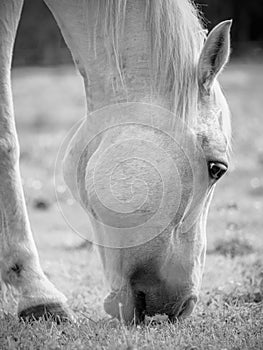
x: 230, y: 311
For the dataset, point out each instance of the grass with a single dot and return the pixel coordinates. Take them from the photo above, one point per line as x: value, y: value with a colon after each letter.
x: 229, y: 315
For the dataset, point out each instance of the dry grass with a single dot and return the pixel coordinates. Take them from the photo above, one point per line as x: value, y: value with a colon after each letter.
x: 230, y: 312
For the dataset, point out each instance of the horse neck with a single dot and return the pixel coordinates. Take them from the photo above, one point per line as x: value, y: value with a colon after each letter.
x: 113, y: 56
x: 121, y: 73
x: 114, y: 45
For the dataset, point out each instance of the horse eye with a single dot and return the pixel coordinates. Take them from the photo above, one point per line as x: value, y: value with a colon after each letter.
x: 216, y: 170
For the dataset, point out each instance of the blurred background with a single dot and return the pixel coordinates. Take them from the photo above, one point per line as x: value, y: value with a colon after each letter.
x: 49, y: 100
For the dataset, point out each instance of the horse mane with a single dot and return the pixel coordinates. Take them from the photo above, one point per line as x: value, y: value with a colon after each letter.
x: 176, y: 36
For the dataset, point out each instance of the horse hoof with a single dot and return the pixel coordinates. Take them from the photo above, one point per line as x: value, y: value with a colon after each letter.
x: 50, y: 311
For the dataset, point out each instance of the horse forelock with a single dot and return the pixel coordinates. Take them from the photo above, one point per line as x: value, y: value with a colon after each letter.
x: 176, y: 39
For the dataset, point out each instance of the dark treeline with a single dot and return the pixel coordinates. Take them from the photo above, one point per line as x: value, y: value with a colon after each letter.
x: 247, y: 15
x: 39, y: 40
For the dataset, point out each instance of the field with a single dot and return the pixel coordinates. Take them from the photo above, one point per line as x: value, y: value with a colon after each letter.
x: 229, y: 315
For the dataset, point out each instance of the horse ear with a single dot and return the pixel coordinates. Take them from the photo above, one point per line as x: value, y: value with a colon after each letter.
x: 214, y: 55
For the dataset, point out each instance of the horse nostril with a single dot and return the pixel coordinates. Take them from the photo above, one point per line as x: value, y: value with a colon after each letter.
x: 140, y: 306
x: 187, y: 307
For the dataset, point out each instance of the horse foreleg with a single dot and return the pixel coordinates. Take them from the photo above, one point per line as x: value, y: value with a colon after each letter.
x: 19, y: 262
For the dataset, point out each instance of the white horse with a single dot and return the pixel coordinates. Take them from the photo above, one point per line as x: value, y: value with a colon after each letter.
x: 144, y: 162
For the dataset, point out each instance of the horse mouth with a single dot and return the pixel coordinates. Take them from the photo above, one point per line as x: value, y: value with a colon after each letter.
x: 187, y: 307
x: 174, y: 312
